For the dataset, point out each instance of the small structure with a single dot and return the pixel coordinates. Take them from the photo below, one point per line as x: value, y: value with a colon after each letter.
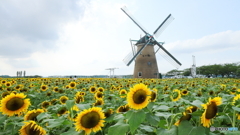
x: 111, y: 72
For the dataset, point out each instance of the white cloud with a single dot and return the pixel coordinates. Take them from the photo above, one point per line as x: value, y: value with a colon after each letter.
x: 219, y: 48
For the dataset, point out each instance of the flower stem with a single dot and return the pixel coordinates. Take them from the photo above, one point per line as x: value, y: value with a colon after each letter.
x: 234, y: 118
x: 169, y: 126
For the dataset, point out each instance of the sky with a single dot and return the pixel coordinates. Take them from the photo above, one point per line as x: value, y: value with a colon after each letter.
x: 85, y: 37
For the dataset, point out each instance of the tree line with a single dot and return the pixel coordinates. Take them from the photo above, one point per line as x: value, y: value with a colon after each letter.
x: 216, y: 70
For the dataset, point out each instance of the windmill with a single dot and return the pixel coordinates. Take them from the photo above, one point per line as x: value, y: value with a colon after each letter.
x: 145, y: 49
x: 193, y: 69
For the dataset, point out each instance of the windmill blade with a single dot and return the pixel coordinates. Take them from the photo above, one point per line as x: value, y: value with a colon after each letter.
x: 140, y: 50
x: 165, y: 54
x: 124, y: 9
x: 164, y: 24
x: 156, y: 47
x: 128, y: 57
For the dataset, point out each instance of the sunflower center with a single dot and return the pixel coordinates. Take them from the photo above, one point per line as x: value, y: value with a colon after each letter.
x: 99, y: 95
x: 62, y: 111
x: 153, y: 95
x: 63, y: 100
x: 33, y: 116
x: 211, y: 110
x: 139, y: 96
x: 185, y: 92
x: 31, y: 131
x: 14, y: 104
x: 123, y: 92
x: 90, y: 120
x: 72, y: 84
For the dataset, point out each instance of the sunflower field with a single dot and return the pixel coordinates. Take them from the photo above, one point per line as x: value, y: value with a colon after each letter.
x: 114, y: 106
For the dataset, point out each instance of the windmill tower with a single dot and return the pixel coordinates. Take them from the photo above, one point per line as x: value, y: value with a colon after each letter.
x: 145, y: 49
x: 193, y: 69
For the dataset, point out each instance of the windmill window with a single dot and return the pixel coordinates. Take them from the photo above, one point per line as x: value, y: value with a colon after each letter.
x: 139, y: 74
x: 149, y: 63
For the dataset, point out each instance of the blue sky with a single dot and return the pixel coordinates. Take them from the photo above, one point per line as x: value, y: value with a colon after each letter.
x: 82, y: 37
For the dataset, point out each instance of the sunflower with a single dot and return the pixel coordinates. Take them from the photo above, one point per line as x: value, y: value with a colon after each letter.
x: 55, y: 89
x: 211, y: 92
x: 101, y: 89
x: 153, y: 95
x: 67, y: 86
x: 8, y: 84
x: 191, y: 109
x: 32, y: 115
x: 90, y: 120
x: 24, y: 90
x: 184, y: 92
x: 199, y: 94
x: 48, y: 94
x: 139, y: 96
x: 4, y: 94
x: 14, y: 104
x: 54, y: 101
x: 98, y: 95
x: 44, y: 87
x: 60, y: 91
x: 238, y: 115
x: 62, y: 111
x: 123, y: 93
x: 123, y: 108
x: 63, y: 99
x: 98, y: 102
x: 186, y: 114
x: 45, y: 104
x: 79, y: 99
x: 176, y: 95
x: 3, y: 81
x: 108, y: 112
x: 31, y: 128
x: 92, y: 89
x: 236, y: 98
x: 210, y: 111
x: 72, y: 85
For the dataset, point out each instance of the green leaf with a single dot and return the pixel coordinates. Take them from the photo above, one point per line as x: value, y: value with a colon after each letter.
x: 236, y: 109
x: 70, y: 104
x: 163, y: 114
x: 135, y: 119
x: 186, y: 128
x: 42, y: 116
x: 147, y: 128
x: 72, y: 131
x: 119, y: 117
x: 161, y: 108
x: 152, y: 119
x: 84, y: 106
x: 118, y: 129
x: 163, y: 124
x: 3, y: 118
x: 171, y: 131
x: 197, y: 103
x: 150, y: 105
x: 57, y: 122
